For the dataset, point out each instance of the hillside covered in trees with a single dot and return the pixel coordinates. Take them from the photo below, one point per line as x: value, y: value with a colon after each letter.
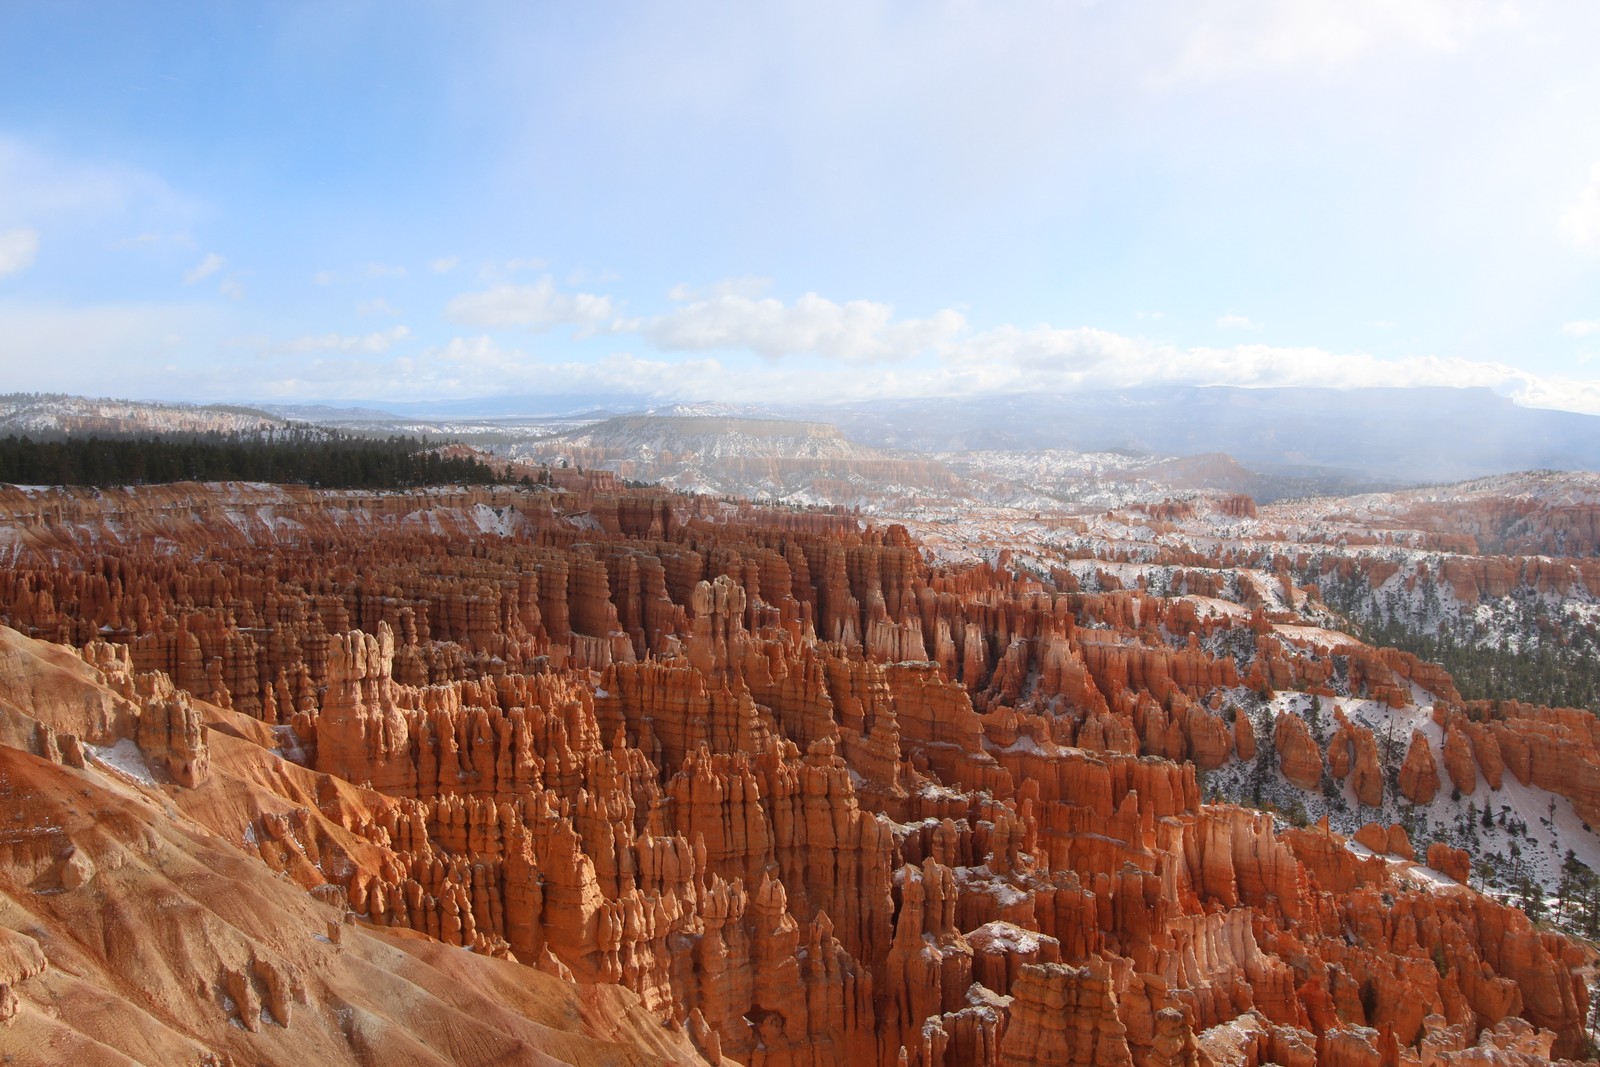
x: 299, y: 455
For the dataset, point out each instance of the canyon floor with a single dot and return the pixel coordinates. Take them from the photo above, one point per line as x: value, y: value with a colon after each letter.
x: 587, y: 774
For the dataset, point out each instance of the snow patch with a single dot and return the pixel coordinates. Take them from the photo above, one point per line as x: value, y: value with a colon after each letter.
x: 1006, y: 937
x: 123, y: 757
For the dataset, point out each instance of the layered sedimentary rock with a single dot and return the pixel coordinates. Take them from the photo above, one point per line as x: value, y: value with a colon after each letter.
x: 806, y: 798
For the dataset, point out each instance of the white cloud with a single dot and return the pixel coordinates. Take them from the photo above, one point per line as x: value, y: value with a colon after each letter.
x: 384, y: 270
x: 538, y: 307
x: 1009, y: 360
x: 17, y: 249
x: 1048, y: 358
x: 324, y: 277
x: 860, y: 330
x: 1226, y: 38
x: 374, y: 343
x: 1048, y: 349
x: 445, y: 264
x: 1236, y: 322
x: 380, y: 306
x: 233, y: 285
x: 1582, y: 328
x: 1562, y: 394
x: 1580, y: 223
x: 208, y: 266
x: 462, y: 366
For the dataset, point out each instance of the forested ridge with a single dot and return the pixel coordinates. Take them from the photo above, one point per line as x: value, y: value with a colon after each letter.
x: 1559, y: 671
x: 298, y: 455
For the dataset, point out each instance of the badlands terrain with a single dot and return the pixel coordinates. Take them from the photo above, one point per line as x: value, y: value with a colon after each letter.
x: 588, y: 774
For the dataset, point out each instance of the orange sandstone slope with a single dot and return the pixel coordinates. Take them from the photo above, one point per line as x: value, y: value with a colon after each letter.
x: 138, y: 923
x: 802, y: 798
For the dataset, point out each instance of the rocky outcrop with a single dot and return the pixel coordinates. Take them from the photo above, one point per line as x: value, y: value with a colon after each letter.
x: 1299, y: 758
x: 1062, y: 1015
x: 1419, y: 774
x: 1556, y: 749
x: 1453, y: 862
x: 1458, y: 761
x: 1353, y: 754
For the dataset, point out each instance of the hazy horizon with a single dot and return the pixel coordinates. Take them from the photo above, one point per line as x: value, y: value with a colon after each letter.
x: 393, y: 203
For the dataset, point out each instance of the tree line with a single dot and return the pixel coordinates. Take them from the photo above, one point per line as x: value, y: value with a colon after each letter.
x: 1554, y: 659
x: 1558, y: 673
x: 298, y: 456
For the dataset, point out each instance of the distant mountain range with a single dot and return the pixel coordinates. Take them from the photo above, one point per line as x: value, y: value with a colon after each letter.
x: 1022, y: 449
x: 1350, y: 437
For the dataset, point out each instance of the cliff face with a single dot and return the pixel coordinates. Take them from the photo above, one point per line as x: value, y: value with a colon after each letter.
x: 803, y: 798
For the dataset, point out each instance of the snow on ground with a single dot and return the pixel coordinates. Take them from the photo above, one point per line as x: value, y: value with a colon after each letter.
x: 1320, y: 638
x: 982, y: 880
x: 1211, y: 607
x: 1539, y: 825
x: 289, y: 746
x: 1553, y: 827
x: 428, y: 518
x: 504, y: 521
x: 1006, y: 937
x: 1027, y: 743
x: 1424, y: 876
x: 123, y: 757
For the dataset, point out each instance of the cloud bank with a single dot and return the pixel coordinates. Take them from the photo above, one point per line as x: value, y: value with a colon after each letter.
x: 770, y: 349
x: 857, y: 331
x: 534, y: 307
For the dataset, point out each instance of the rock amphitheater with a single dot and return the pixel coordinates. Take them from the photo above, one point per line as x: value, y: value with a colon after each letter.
x: 603, y: 776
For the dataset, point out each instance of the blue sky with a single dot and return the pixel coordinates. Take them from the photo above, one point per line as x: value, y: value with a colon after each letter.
x: 391, y: 201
